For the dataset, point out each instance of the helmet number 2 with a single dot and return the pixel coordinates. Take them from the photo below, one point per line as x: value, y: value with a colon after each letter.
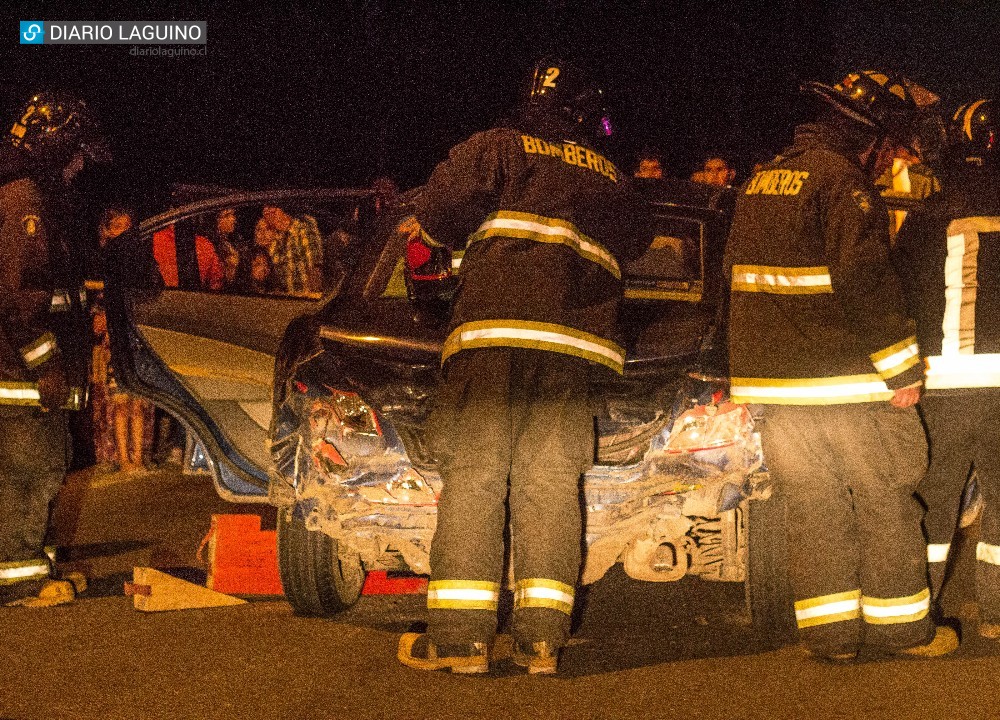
x: 550, y: 77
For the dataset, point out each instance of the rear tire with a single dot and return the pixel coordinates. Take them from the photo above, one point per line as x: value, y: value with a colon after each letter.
x: 319, y: 579
x: 769, y: 593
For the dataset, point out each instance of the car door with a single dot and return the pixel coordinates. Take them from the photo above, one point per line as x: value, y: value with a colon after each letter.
x: 199, y: 299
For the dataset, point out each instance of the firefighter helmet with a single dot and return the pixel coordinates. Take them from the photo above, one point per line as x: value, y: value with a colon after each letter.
x: 52, y: 126
x: 974, y: 129
x: 874, y: 98
x: 568, y: 91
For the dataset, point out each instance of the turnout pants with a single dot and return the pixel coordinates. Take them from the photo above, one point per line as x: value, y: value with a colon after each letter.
x: 964, y: 433
x: 33, y: 461
x: 521, y: 420
x: 856, y: 550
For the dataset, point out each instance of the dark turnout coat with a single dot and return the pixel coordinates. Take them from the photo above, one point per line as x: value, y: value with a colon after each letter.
x: 817, y: 315
x: 41, y: 302
x: 948, y: 254
x: 546, y: 224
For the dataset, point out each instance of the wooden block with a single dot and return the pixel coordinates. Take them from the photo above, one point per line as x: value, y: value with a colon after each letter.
x: 242, y: 559
x: 165, y: 592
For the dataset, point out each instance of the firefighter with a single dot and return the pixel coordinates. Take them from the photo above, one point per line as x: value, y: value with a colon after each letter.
x: 51, y: 140
x: 949, y: 259
x: 546, y: 222
x: 820, y: 339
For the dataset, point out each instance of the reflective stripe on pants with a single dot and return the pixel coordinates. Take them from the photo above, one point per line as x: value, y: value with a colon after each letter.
x: 964, y: 435
x: 506, y: 416
x: 857, y: 556
x: 21, y: 570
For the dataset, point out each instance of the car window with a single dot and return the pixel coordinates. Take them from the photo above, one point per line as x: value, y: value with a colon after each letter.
x: 672, y: 268
x: 300, y: 249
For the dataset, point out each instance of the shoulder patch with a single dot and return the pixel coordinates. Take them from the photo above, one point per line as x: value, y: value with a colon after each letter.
x: 31, y: 223
x: 862, y: 200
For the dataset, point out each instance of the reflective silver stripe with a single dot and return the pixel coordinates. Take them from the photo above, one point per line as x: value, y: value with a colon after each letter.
x: 77, y: 398
x: 961, y: 370
x: 782, y: 280
x: 462, y: 595
x: 897, y: 359
x: 540, y: 228
x: 938, y: 552
x: 888, y: 611
x: 833, y: 608
x: 39, y: 351
x: 988, y: 553
x: 13, y: 392
x: 534, y: 335
x: 60, y: 301
x: 828, y: 609
x: 23, y: 570
x: 456, y: 260
x: 810, y: 391
x: 960, y: 269
x: 18, y: 393
x: 540, y: 592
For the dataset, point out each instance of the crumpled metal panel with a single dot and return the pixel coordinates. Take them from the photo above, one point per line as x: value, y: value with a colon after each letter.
x: 365, y: 491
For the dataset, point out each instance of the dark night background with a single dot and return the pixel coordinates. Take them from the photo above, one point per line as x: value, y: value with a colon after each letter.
x: 336, y: 94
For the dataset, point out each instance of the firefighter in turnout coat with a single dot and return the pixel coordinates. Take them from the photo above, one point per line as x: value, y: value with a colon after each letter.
x: 949, y: 259
x: 546, y: 222
x: 41, y: 312
x: 819, y: 337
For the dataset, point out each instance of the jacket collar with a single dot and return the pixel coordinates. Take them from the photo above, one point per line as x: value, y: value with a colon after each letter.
x: 829, y: 137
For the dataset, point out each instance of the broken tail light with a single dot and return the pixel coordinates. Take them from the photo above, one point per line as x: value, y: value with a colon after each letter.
x: 344, y: 428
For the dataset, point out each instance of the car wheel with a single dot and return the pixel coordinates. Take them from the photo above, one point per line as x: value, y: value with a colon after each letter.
x: 319, y: 578
x: 769, y: 594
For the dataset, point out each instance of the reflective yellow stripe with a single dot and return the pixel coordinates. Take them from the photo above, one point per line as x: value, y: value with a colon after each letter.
x: 897, y: 359
x: 988, y: 553
x: 13, y: 392
x: 537, y: 336
x: 60, y: 301
x: 543, y: 593
x: 40, y: 350
x: 462, y: 595
x: 961, y: 269
x: 12, y: 572
x: 782, y: 280
x: 938, y: 552
x: 810, y: 391
x: 540, y: 228
x: 891, y: 611
x: 18, y: 393
x: 827, y: 609
x: 963, y: 371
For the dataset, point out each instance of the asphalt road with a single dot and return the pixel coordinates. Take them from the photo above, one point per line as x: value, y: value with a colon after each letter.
x: 642, y: 650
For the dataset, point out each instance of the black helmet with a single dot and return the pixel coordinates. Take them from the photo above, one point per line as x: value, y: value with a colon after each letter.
x: 52, y: 126
x: 974, y: 131
x: 879, y: 100
x: 567, y: 91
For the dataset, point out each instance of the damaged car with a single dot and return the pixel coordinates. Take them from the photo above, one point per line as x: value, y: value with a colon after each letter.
x: 315, y: 400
